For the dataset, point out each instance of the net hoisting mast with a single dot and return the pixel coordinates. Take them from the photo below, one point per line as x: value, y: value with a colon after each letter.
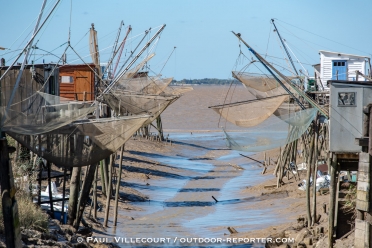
x: 285, y: 47
x: 120, y: 50
x: 116, y: 79
x: 272, y: 69
x: 114, y: 50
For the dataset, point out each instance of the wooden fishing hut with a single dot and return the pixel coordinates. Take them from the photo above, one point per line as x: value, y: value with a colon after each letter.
x: 37, y: 77
x: 350, y: 150
x: 32, y: 80
x: 78, y: 82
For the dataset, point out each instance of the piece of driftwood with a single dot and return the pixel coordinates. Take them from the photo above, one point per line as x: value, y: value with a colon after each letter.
x: 236, y: 166
x: 269, y: 186
x: 232, y: 230
x: 251, y: 158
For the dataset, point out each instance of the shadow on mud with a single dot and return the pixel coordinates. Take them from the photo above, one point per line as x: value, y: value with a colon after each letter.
x: 153, y: 172
x: 147, y: 186
x: 198, y: 189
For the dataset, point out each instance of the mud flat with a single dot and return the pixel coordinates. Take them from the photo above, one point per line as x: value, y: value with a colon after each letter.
x: 190, y: 188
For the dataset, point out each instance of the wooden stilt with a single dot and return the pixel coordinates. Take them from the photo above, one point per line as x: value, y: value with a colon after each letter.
x: 332, y: 165
x: 278, y: 162
x: 106, y: 165
x: 117, y: 190
x: 95, y: 195
x: 85, y: 189
x: 50, y: 191
x: 40, y: 174
x: 9, y: 203
x: 63, y: 195
x: 74, y: 193
x: 103, y: 184
x: 308, y: 174
x: 108, y: 193
x: 315, y: 171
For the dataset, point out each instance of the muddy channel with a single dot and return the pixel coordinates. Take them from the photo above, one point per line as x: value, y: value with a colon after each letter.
x: 199, y: 195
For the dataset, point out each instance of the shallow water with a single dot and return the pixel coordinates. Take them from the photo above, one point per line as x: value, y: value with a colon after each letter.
x: 182, y: 206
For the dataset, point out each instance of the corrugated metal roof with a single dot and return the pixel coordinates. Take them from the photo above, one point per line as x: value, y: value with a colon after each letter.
x: 352, y: 55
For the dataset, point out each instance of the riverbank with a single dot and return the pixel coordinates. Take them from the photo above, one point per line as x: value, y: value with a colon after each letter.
x: 159, y: 199
x: 167, y: 187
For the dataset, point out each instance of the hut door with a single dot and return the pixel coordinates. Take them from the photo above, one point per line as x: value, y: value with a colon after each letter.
x: 82, y: 84
x: 339, y: 70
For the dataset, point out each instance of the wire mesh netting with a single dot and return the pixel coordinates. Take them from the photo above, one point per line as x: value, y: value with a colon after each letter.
x: 41, y: 113
x: 125, y: 103
x: 145, y: 85
x: 83, y: 142
x: 272, y: 133
x: 260, y: 82
x: 250, y: 113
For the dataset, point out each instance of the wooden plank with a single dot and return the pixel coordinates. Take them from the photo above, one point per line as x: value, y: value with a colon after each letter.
x: 363, y: 186
x: 363, y: 195
x: 363, y: 166
x: 362, y: 205
x: 363, y: 176
x: 347, y: 156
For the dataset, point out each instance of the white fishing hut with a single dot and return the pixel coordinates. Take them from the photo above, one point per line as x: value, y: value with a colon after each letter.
x: 340, y: 66
x: 346, y: 114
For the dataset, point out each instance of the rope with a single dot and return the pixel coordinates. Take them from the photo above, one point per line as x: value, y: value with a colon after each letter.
x: 167, y: 60
x: 268, y: 40
x: 69, y: 28
x: 322, y: 36
x: 95, y: 73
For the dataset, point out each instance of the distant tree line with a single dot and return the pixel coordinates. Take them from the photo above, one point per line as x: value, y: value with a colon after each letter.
x: 205, y: 81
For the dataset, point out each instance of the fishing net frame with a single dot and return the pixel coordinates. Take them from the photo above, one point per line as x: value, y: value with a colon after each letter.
x: 83, y: 142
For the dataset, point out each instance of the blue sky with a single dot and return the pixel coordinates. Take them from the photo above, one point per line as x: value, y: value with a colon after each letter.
x: 200, y: 29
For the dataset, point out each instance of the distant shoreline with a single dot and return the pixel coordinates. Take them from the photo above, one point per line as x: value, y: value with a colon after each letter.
x: 206, y: 84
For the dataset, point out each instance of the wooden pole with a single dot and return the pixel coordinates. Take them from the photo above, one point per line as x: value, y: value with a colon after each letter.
x: 315, y: 164
x: 294, y: 160
x: 118, y: 186
x: 85, y: 189
x: 40, y: 174
x: 251, y: 159
x: 74, y: 193
x: 332, y: 165
x: 95, y: 195
x: 50, y: 191
x: 106, y: 164
x: 10, y: 207
x: 108, y: 193
x: 63, y: 194
x: 103, y: 181
x: 160, y: 128
x: 278, y: 162
x: 308, y: 174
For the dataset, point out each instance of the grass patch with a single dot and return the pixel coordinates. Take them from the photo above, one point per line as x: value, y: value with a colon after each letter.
x: 30, y: 215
